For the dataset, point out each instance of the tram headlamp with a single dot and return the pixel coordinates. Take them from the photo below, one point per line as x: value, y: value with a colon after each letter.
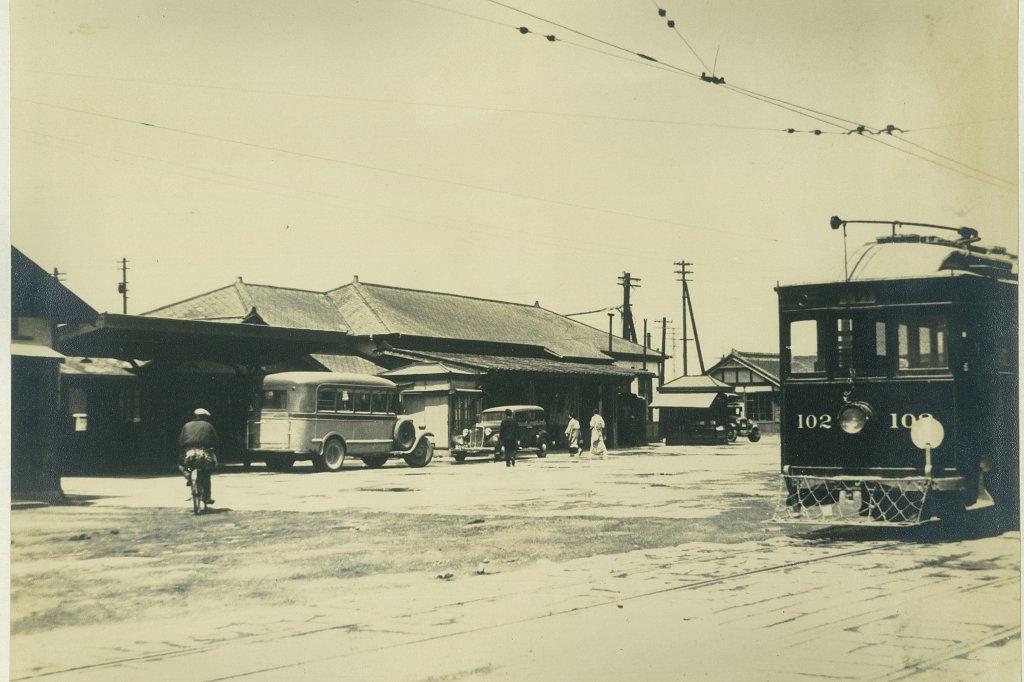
x: 855, y: 416
x: 487, y: 431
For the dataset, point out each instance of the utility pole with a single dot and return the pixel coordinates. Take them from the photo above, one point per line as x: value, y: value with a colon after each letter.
x: 122, y: 287
x: 58, y: 275
x: 628, y: 328
x: 611, y: 317
x: 647, y: 342
x: 661, y: 368
x: 696, y: 338
x: 683, y: 272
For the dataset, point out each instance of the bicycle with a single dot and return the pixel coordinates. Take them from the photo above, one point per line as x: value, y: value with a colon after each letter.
x: 198, y: 492
x: 194, y: 461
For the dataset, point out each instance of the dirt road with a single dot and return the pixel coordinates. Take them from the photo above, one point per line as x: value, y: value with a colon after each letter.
x: 401, y: 573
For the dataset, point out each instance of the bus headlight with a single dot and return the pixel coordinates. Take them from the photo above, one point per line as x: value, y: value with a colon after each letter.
x: 487, y: 431
x: 855, y: 416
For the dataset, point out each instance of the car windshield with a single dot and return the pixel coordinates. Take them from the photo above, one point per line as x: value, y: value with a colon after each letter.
x: 491, y: 417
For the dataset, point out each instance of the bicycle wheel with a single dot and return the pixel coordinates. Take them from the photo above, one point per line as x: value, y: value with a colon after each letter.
x: 197, y: 494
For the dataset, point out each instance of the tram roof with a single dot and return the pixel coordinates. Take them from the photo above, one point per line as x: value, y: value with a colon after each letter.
x: 912, y: 256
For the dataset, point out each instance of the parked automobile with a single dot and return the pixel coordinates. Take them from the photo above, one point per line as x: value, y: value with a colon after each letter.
x: 482, y: 439
x: 325, y: 416
x: 738, y: 425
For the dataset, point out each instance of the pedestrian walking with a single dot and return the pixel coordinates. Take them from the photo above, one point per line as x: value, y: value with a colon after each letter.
x: 597, y: 435
x: 572, y: 434
x: 508, y: 436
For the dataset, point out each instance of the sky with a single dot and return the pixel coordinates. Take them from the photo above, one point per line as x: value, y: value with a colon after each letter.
x: 434, y: 145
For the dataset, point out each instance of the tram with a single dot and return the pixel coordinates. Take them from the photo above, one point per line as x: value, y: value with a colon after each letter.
x: 899, y: 384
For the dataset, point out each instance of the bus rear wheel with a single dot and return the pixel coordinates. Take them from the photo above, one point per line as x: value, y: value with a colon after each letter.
x: 332, y: 458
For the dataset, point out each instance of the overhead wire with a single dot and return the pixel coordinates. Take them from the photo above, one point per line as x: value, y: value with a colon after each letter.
x: 391, y: 171
x: 420, y: 103
x: 798, y: 109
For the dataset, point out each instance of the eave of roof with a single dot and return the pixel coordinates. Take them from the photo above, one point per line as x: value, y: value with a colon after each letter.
x: 504, y: 363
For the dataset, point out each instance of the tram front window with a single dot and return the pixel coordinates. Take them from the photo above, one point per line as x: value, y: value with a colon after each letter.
x: 922, y: 345
x: 805, y: 352
x: 861, y: 345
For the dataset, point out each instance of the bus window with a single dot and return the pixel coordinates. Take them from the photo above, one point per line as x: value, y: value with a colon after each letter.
x: 804, y: 355
x: 275, y: 400
x: 379, y: 402
x: 325, y: 399
x: 362, y: 401
x: 392, y: 403
x: 344, y: 401
x: 922, y: 345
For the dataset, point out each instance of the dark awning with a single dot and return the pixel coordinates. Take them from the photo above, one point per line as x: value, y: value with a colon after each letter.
x: 128, y: 337
x: 509, y: 363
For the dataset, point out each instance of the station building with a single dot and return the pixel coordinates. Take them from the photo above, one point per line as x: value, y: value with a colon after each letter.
x: 137, y: 378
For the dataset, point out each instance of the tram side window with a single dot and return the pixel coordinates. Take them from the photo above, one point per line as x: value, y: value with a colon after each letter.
x: 805, y: 356
x: 922, y: 345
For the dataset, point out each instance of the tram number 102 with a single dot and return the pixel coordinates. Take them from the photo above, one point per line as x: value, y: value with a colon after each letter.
x: 824, y: 421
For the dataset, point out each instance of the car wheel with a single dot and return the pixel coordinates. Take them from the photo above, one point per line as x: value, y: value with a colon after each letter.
x: 280, y: 462
x: 459, y: 458
x: 421, y: 454
x: 374, y: 461
x: 333, y: 456
x: 730, y: 435
x: 542, y: 449
x: 754, y: 436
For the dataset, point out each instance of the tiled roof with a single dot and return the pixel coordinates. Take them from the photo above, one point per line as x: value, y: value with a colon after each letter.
x: 698, y: 383
x: 498, y: 363
x: 768, y: 363
x: 352, y: 364
x: 378, y: 309
x: 36, y: 293
x: 276, y: 306
x: 373, y: 309
x: 96, y: 367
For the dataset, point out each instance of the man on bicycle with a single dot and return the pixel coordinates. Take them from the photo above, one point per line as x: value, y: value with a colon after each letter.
x: 197, y: 442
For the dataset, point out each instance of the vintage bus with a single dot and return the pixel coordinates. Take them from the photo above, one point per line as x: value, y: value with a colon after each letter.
x: 325, y: 417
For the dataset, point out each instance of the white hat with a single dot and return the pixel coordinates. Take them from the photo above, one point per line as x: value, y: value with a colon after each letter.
x: 201, y: 413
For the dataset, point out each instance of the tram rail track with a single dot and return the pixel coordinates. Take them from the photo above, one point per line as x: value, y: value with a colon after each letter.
x: 185, y: 651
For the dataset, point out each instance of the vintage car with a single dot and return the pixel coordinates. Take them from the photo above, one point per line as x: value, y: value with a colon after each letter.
x: 482, y: 439
x: 326, y: 416
x: 738, y: 425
